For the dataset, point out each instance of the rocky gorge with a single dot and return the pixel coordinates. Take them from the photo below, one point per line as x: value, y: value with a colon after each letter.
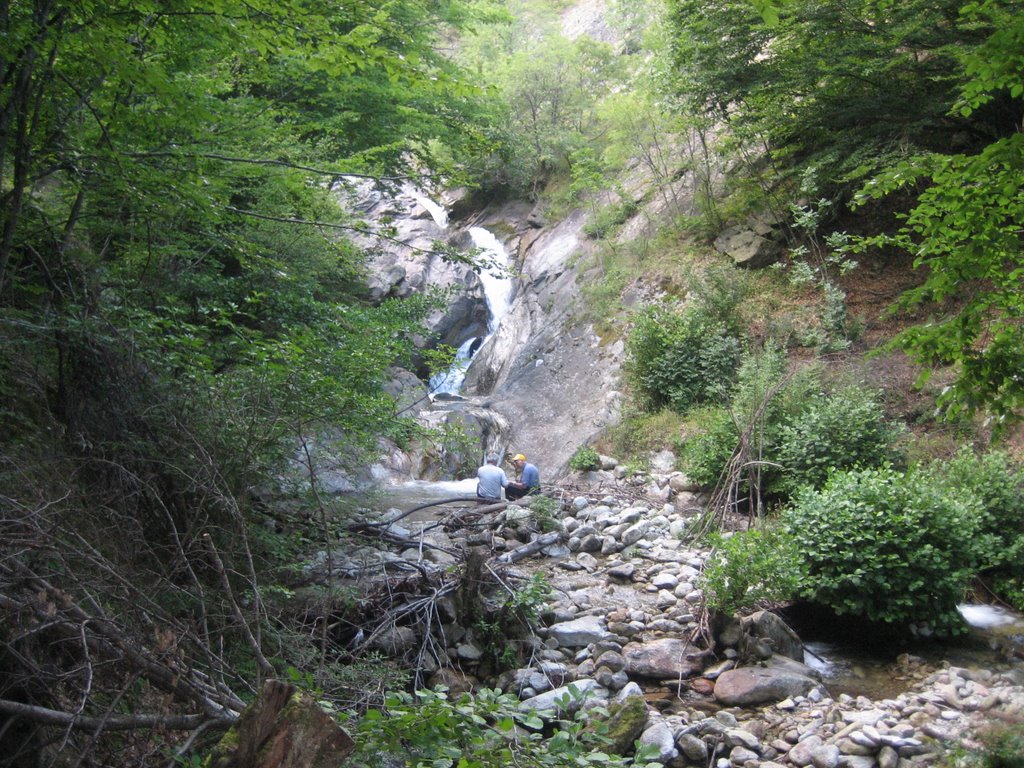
x: 625, y: 627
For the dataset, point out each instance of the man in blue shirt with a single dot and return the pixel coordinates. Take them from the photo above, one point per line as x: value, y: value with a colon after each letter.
x: 528, y: 482
x: 490, y: 480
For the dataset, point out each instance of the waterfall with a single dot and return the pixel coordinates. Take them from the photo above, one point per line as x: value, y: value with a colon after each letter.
x: 450, y: 381
x: 437, y: 212
x: 498, y: 294
x: 496, y: 282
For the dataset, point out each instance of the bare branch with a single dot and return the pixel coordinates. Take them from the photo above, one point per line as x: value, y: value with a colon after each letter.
x: 114, y: 722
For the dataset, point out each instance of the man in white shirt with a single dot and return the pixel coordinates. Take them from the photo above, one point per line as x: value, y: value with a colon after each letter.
x: 490, y: 480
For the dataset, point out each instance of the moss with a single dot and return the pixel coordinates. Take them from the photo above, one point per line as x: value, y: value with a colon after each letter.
x: 225, y: 749
x: 625, y: 723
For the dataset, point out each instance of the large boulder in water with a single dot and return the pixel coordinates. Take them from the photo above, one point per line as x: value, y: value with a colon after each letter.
x: 750, y: 686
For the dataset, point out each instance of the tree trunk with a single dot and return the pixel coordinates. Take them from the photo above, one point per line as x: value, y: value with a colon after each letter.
x: 283, y: 728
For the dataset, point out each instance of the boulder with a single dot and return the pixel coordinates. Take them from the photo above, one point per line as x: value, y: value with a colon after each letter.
x: 579, y: 633
x: 551, y: 701
x: 746, y: 247
x: 661, y: 737
x: 625, y: 723
x: 663, y: 658
x: 750, y: 686
x: 784, y: 641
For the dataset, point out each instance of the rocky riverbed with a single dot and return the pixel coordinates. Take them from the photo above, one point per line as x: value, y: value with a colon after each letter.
x: 627, y: 621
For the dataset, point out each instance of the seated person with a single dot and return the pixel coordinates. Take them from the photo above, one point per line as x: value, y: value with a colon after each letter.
x: 528, y: 482
x: 490, y: 480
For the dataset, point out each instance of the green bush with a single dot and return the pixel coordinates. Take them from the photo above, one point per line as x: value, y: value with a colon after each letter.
x: 585, y: 459
x: 843, y: 430
x: 1002, y: 746
x: 764, y: 398
x: 703, y: 456
x: 887, y: 546
x: 545, y: 512
x: 680, y: 360
x: 996, y: 484
x: 485, y: 730
x: 750, y: 569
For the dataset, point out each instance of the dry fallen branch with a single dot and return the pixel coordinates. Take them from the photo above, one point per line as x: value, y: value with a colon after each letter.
x: 46, y: 716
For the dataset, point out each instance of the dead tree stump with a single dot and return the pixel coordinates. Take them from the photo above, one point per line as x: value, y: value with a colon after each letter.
x: 283, y: 728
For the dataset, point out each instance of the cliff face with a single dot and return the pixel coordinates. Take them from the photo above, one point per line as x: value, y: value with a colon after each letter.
x: 544, y: 369
x: 542, y: 384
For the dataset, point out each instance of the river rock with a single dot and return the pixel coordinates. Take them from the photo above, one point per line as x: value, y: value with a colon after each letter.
x: 622, y: 571
x: 749, y: 686
x: 580, y: 632
x: 627, y: 720
x: 395, y: 641
x: 550, y: 701
x: 634, y: 533
x: 693, y: 747
x: 663, y: 658
x: 784, y: 641
x: 660, y: 736
x: 740, y: 756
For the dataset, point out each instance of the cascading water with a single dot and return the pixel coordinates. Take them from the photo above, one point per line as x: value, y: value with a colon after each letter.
x: 497, y: 292
x: 437, y: 212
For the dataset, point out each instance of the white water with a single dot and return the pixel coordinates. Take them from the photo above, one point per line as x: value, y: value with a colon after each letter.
x: 496, y: 282
x: 497, y: 293
x: 987, y: 616
x: 450, y: 381
x: 437, y: 212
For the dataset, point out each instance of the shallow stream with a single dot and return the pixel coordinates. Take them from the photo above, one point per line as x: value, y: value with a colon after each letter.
x: 858, y: 666
x: 848, y: 656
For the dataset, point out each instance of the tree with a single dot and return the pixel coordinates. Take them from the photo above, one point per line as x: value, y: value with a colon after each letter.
x: 965, y: 231
x: 837, y: 88
x: 178, y: 305
x: 922, y: 99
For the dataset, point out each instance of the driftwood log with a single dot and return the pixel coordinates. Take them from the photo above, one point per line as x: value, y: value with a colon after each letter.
x: 517, y: 554
x: 283, y: 728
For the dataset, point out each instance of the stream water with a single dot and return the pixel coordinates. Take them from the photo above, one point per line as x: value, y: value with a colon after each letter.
x: 498, y: 294
x: 860, y: 664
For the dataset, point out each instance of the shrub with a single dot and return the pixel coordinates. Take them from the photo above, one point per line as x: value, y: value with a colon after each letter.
x: 886, y: 546
x: 996, y: 484
x: 584, y: 459
x: 703, y: 456
x: 484, y: 730
x: 750, y: 569
x: 1002, y: 746
x: 545, y: 512
x: 680, y: 360
x: 764, y: 398
x: 843, y: 430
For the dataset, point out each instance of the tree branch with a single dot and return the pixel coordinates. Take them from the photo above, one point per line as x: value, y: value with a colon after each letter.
x: 112, y: 723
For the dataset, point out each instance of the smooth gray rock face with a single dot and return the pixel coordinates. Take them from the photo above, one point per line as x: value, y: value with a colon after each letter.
x: 749, y: 686
x: 663, y: 658
x: 579, y: 633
